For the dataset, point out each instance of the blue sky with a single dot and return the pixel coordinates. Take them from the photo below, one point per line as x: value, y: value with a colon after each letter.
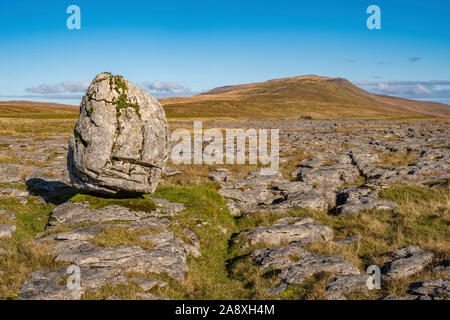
x: 174, y: 48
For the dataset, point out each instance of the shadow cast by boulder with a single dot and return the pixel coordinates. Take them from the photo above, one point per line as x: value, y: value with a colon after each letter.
x: 55, y: 192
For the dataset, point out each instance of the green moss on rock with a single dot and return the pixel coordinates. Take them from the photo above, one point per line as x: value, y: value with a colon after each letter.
x: 79, y: 138
x: 118, y: 84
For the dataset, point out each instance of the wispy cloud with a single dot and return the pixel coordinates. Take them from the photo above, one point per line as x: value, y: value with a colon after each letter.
x: 65, y: 86
x: 70, y: 90
x: 432, y: 89
x: 44, y: 89
x: 161, y: 89
x: 415, y: 59
x: 165, y: 86
x: 73, y: 86
x: 47, y: 96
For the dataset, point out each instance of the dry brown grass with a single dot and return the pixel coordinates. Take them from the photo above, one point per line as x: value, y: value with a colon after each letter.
x: 37, y: 110
x: 293, y: 159
x: 38, y: 129
x: 123, y: 236
x: 17, y: 265
x: 198, y: 173
x: 397, y: 158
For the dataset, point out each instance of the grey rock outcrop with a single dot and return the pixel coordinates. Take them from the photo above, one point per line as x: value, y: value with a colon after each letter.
x: 7, y: 230
x: 347, y: 283
x: 121, y: 140
x: 314, y: 263
x: 425, y: 290
x: 220, y: 175
x: 290, y: 229
x: 352, y: 200
x: 296, y: 265
x: 444, y: 268
x: 7, y: 214
x: 430, y: 289
x: 407, y: 261
x: 52, y: 284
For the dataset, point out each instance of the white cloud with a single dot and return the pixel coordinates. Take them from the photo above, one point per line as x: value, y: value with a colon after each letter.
x: 44, y: 89
x: 65, y: 86
x: 161, y: 89
x: 73, y: 86
x: 161, y: 86
x: 421, y: 89
x: 432, y: 89
x: 383, y: 86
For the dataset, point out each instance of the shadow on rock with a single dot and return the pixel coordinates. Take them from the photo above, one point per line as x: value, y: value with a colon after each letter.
x: 55, y: 192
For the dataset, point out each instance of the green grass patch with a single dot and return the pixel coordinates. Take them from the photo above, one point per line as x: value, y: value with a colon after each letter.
x: 208, y: 277
x: 140, y: 203
x: 312, y: 289
x: 123, y: 236
x: 23, y: 256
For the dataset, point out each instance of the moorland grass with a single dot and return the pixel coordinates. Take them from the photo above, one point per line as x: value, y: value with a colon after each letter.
x: 225, y: 270
x: 138, y: 203
x: 23, y: 257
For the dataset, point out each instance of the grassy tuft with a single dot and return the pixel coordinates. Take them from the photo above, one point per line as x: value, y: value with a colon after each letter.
x: 23, y: 256
x: 122, y: 236
x: 136, y: 204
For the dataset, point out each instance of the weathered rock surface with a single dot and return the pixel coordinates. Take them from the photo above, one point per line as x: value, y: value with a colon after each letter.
x: 7, y: 230
x: 290, y: 229
x: 168, y: 257
x: 407, y: 261
x: 10, y: 192
x: 220, y: 175
x: 343, y: 284
x: 296, y: 264
x: 444, y: 268
x: 148, y: 284
x: 102, y: 265
x: 149, y: 296
x: 426, y: 290
x: 71, y: 213
x: 352, y: 200
x: 52, y: 284
x: 121, y: 140
x: 8, y: 214
x: 168, y: 172
x: 431, y: 289
x: 333, y: 175
x: 314, y: 263
x: 278, y: 258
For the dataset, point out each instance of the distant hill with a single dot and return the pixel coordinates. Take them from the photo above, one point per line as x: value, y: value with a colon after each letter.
x: 32, y: 109
x: 315, y: 96
x: 285, y: 98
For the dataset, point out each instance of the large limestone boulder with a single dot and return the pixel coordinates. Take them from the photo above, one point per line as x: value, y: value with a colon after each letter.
x: 121, y: 140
